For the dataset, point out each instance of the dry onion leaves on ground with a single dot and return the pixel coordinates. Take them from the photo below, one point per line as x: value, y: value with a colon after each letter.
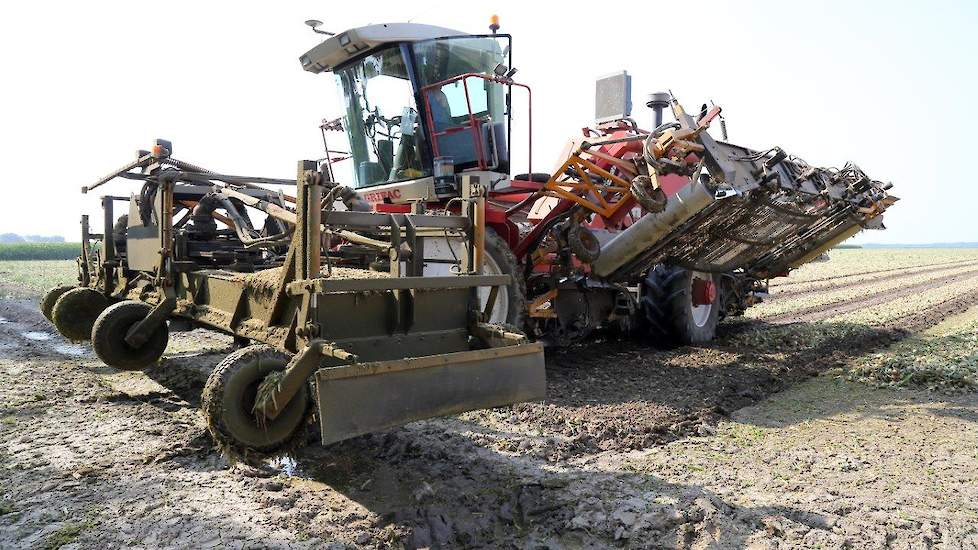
x: 946, y: 362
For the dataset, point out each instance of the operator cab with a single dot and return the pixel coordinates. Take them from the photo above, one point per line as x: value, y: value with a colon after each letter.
x: 421, y: 103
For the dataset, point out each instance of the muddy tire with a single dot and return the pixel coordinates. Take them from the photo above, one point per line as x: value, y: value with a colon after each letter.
x: 75, y: 311
x: 670, y: 314
x: 510, y: 307
x: 109, y: 337
x: 50, y: 297
x: 229, y: 397
x: 647, y: 195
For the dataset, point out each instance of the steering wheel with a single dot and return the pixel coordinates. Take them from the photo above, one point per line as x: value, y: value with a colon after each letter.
x: 374, y: 118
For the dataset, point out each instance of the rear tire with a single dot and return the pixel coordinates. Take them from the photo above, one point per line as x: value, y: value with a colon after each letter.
x: 667, y: 305
x: 75, y: 311
x: 51, y: 297
x: 229, y: 398
x: 109, y: 337
x: 510, y: 307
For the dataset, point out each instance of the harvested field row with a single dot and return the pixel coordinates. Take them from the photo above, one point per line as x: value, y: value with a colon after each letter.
x: 851, y: 262
x: 954, y: 297
x: 797, y: 308
x: 806, y: 288
x: 841, y: 465
x: 899, y: 298
x: 938, y: 360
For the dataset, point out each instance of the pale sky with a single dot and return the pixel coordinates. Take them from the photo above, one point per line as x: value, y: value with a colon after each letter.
x: 889, y: 85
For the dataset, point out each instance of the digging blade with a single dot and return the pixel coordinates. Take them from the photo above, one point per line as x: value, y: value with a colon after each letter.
x: 369, y: 397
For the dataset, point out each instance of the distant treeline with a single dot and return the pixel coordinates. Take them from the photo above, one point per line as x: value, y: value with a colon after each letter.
x: 847, y: 246
x: 39, y: 251
x: 15, y: 238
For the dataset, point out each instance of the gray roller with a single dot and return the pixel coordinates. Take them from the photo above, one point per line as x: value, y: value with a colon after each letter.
x: 651, y: 228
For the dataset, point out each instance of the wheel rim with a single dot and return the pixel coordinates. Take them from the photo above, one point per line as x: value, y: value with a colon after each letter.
x: 500, y: 310
x: 700, y: 313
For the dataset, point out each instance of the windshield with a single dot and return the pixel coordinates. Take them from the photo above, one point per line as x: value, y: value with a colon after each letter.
x: 381, y: 118
x: 444, y: 58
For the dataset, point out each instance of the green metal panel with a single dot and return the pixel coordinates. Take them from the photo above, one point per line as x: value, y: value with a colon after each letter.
x: 142, y: 241
x: 396, y: 346
x: 363, y: 314
x: 368, y: 397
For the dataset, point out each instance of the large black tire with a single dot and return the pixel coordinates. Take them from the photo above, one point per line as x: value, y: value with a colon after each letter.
x: 229, y: 398
x: 109, y: 337
x: 501, y: 258
x: 667, y: 305
x: 51, y: 297
x: 538, y: 177
x: 75, y: 311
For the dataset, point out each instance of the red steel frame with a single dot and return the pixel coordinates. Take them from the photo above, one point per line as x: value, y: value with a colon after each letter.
x: 521, y: 190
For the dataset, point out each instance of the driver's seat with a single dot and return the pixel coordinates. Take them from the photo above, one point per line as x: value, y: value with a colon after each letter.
x: 458, y: 145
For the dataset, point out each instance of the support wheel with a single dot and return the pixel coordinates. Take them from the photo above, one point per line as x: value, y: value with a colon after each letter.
x: 75, y: 311
x: 648, y: 195
x: 583, y: 243
x: 229, y: 399
x: 510, y: 306
x: 109, y: 337
x: 680, y: 306
x: 51, y: 297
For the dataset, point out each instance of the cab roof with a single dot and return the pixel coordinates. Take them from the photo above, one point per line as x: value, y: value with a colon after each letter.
x: 346, y: 45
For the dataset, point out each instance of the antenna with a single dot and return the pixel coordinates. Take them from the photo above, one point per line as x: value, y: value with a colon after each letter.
x: 314, y: 24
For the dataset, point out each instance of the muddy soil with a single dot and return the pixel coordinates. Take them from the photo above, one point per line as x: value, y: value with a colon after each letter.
x: 634, y: 447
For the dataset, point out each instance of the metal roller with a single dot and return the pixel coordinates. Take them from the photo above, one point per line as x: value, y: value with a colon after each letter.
x: 651, y: 228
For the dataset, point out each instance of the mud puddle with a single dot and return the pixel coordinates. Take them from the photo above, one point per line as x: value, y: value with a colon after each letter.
x: 73, y: 350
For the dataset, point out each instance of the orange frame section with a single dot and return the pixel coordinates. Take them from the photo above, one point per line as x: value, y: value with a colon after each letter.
x: 586, y: 192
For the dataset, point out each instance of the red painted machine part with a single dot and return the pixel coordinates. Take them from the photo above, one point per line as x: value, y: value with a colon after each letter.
x: 704, y: 291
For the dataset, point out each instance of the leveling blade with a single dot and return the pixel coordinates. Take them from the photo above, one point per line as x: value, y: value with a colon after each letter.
x: 368, y: 397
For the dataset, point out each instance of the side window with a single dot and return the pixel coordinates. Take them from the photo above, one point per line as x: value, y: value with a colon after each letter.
x: 485, y: 142
x: 455, y: 94
x: 381, y: 119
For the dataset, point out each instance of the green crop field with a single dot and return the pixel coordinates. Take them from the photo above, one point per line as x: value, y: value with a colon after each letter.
x: 39, y: 251
x: 31, y: 278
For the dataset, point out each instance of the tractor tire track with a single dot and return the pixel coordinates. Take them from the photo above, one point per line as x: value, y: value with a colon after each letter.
x: 825, y: 311
x: 841, y: 282
x: 873, y: 272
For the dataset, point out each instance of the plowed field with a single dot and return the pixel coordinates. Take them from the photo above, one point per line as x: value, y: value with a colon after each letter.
x: 759, y: 439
